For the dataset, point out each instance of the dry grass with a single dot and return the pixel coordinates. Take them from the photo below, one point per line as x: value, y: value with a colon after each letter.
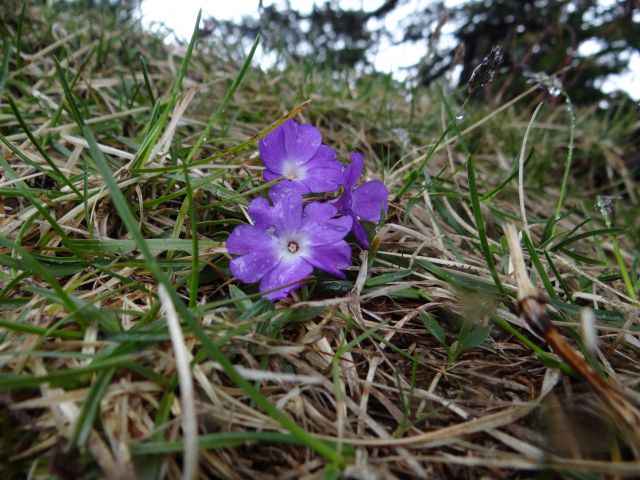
x: 416, y: 366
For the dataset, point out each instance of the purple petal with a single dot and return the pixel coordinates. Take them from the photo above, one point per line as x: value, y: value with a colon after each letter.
x: 300, y: 141
x: 324, y: 153
x: 322, y: 172
x: 360, y: 233
x: 331, y: 258
x: 300, y: 185
x: 253, y: 266
x: 248, y: 238
x: 368, y: 200
x: 319, y: 212
x: 286, y: 271
x: 258, y: 250
x: 320, y: 226
x: 287, y: 203
x: 353, y: 172
x: 270, y: 175
x: 261, y: 213
x: 343, y: 203
x: 272, y: 150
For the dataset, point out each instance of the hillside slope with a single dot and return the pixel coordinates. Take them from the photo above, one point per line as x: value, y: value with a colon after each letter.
x: 417, y: 365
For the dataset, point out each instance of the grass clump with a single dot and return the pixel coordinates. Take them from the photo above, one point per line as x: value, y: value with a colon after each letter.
x: 128, y: 350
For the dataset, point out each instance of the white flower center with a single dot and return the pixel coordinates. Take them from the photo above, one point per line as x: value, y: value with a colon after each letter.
x: 292, y: 171
x: 293, y: 246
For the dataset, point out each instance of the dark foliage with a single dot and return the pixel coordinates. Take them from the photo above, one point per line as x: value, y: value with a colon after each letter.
x: 535, y: 35
x: 539, y: 36
x: 332, y: 37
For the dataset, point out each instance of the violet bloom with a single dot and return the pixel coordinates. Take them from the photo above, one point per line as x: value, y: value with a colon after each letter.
x: 364, y: 202
x: 287, y: 241
x: 295, y: 152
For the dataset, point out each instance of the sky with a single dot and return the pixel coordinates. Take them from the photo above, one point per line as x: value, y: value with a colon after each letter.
x: 180, y: 16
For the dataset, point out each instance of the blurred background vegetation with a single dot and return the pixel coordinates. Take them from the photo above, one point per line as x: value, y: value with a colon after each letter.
x: 549, y: 36
x: 536, y: 36
x: 576, y: 45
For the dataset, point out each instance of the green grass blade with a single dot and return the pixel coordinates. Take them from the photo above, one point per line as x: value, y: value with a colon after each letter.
x: 34, y: 266
x: 195, y: 260
x: 538, y: 264
x: 13, y: 382
x: 90, y: 408
x: 156, y: 245
x: 222, y: 108
x: 599, y: 232
x: 569, y: 157
x: 60, y: 177
x: 480, y: 225
x: 214, y: 441
x: 158, y: 126
x: 4, y: 66
x: 147, y: 82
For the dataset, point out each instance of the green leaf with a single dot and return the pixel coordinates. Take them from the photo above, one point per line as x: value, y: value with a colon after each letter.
x: 434, y: 328
x: 243, y: 302
x: 145, y: 76
x: 22, y: 327
x: 33, y: 265
x: 366, y: 334
x: 616, y: 318
x: 26, y: 192
x: 408, y: 293
x: 4, y: 66
x: 215, y: 441
x: 157, y: 127
x: 460, y: 279
x: 155, y: 245
x: 387, y: 278
x: 331, y: 472
x: 454, y: 351
x: 583, y: 258
x: 593, y: 233
x: 12, y: 381
x: 59, y: 176
x: 538, y: 264
x: 480, y: 225
x: 474, y: 338
x: 91, y: 408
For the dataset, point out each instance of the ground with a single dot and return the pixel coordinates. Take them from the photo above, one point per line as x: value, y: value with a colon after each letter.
x: 114, y: 277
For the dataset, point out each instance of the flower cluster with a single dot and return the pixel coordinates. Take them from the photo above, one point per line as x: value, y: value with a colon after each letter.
x: 288, y: 239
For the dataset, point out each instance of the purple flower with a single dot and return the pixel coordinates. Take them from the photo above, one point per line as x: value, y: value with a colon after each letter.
x: 286, y: 241
x: 364, y: 202
x: 295, y: 152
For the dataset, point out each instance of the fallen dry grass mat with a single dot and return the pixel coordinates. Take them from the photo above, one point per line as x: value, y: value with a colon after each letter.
x: 129, y: 350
